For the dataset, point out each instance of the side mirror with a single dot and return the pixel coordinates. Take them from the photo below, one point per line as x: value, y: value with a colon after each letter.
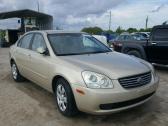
x: 41, y: 50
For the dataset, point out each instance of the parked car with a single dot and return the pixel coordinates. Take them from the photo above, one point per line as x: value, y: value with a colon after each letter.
x: 144, y: 34
x: 154, y: 49
x: 82, y: 73
x: 126, y: 37
x: 110, y: 36
x: 101, y: 38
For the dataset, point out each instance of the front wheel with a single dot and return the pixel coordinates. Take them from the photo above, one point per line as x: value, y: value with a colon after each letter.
x: 65, y: 98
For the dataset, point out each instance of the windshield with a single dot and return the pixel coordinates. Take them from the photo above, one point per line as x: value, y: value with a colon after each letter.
x: 76, y: 44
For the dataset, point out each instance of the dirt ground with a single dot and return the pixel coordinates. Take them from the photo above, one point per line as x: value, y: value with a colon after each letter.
x: 26, y: 104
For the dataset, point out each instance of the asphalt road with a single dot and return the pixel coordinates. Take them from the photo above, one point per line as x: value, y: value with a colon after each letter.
x: 26, y: 104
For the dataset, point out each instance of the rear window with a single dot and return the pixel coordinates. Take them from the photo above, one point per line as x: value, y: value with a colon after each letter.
x: 160, y: 34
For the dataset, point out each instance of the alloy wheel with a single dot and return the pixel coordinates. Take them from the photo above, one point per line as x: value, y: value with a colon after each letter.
x: 14, y: 71
x: 61, y: 97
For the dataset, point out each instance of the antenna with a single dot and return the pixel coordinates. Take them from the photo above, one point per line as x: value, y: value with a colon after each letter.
x: 110, y: 22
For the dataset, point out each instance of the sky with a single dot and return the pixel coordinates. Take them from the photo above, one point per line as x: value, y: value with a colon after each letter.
x: 76, y: 14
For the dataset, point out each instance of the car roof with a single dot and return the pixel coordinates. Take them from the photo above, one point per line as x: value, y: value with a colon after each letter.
x: 160, y: 26
x: 57, y: 31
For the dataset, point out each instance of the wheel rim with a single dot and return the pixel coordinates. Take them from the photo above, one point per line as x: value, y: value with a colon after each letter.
x: 61, y: 97
x: 14, y: 71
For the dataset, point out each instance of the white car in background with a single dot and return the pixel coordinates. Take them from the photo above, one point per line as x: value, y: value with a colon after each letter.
x: 101, y: 38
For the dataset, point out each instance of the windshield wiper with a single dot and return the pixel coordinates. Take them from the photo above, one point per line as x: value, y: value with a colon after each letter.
x: 100, y: 52
x: 83, y: 53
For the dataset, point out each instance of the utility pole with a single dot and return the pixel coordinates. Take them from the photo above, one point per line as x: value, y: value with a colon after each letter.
x: 38, y: 7
x: 146, y: 25
x: 110, y: 22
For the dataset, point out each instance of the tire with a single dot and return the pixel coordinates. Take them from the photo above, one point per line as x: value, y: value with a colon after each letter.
x: 65, y: 98
x: 135, y: 53
x: 15, y: 73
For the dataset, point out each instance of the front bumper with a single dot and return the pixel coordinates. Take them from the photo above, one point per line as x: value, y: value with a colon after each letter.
x: 93, y: 99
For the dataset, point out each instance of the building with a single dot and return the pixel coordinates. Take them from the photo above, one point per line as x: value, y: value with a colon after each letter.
x: 29, y: 20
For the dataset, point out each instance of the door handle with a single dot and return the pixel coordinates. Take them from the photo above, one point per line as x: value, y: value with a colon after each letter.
x: 153, y: 43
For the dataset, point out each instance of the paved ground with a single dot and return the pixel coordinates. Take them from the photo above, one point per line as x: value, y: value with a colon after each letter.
x: 26, y: 104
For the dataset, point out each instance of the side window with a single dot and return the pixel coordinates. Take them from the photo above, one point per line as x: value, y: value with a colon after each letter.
x: 121, y: 38
x: 127, y: 37
x: 25, y: 41
x: 87, y: 42
x: 38, y: 41
x: 160, y: 34
x: 19, y: 43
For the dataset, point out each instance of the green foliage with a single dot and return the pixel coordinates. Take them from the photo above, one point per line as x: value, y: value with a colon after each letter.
x: 145, y: 30
x: 92, y: 30
x: 119, y: 30
x: 109, y: 31
x: 2, y: 34
x: 131, y: 30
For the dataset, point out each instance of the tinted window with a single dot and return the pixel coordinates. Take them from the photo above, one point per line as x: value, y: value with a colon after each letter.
x: 120, y: 38
x: 160, y: 34
x: 127, y: 38
x: 38, y: 41
x: 25, y: 41
x: 144, y: 35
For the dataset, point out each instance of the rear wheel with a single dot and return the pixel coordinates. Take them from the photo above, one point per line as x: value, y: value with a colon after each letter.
x: 15, y: 73
x: 65, y: 98
x: 135, y: 53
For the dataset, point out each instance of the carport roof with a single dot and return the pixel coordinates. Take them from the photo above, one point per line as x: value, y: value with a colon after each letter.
x: 23, y: 13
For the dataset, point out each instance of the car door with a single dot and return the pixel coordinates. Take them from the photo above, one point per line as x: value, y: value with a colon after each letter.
x: 158, y: 46
x: 39, y: 63
x: 22, y: 54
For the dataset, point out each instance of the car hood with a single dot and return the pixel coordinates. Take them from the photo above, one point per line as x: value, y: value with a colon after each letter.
x: 114, y: 65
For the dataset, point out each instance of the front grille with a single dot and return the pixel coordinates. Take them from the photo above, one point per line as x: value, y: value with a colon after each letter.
x: 136, y: 81
x: 124, y: 103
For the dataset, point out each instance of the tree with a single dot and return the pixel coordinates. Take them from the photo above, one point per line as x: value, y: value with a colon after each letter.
x: 131, y: 30
x: 142, y: 30
x: 2, y: 34
x: 92, y: 30
x: 119, y: 30
x: 145, y: 30
x: 109, y: 31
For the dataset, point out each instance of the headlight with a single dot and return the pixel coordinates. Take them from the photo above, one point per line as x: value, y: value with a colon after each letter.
x: 152, y: 70
x: 95, y: 80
